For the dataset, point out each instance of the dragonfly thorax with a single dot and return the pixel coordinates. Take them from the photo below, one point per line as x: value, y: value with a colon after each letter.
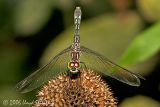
x: 74, y: 71
x: 75, y: 57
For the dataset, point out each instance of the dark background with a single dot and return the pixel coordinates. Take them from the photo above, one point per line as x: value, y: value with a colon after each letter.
x: 34, y: 30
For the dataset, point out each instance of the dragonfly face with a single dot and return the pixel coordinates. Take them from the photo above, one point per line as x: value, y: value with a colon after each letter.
x: 74, y: 70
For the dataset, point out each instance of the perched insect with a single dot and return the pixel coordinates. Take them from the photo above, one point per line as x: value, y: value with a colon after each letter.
x: 74, y: 58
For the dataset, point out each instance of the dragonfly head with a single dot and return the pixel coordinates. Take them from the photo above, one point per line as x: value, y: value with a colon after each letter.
x: 73, y: 67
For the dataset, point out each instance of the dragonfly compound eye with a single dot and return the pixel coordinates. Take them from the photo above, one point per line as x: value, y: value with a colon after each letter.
x: 76, y: 64
x: 70, y: 64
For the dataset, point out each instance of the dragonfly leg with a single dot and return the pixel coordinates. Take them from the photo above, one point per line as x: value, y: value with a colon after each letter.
x: 69, y: 79
x: 79, y: 81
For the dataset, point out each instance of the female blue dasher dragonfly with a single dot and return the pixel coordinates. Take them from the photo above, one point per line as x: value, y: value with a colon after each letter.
x: 74, y: 58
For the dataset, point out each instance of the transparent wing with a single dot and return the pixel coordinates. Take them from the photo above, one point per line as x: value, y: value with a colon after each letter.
x: 56, y: 66
x: 104, y: 66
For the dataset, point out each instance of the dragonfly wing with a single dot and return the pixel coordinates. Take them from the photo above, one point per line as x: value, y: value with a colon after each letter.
x: 56, y: 66
x: 104, y: 66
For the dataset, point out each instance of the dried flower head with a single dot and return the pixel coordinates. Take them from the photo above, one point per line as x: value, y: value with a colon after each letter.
x: 87, y: 91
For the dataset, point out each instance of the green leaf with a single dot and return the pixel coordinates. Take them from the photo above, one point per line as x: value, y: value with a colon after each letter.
x: 139, y: 101
x: 12, y: 57
x: 149, y: 9
x: 143, y: 46
x: 31, y: 16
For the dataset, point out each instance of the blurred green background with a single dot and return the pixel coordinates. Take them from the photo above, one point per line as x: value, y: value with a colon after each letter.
x: 125, y: 31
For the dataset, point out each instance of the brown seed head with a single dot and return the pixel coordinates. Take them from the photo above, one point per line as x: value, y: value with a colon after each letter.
x: 87, y: 91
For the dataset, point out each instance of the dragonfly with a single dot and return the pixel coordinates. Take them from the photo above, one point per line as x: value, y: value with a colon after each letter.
x: 72, y: 60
